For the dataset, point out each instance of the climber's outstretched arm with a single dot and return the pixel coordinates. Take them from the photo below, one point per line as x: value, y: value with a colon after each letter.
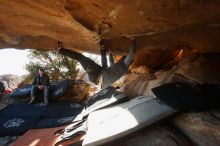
x: 111, y: 59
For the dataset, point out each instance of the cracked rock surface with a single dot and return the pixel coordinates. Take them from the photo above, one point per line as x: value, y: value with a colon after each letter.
x: 81, y: 24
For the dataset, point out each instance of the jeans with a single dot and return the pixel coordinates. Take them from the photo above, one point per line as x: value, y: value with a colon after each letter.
x: 35, y: 90
x: 93, y: 69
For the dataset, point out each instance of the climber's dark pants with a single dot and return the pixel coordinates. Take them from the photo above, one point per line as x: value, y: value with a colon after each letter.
x: 108, y: 75
x: 116, y: 70
x: 94, y: 70
x: 35, y: 90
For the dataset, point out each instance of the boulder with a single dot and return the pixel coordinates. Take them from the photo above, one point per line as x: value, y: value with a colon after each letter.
x: 198, y: 69
x: 203, y: 69
x: 159, y: 136
x: 77, y: 92
x: 201, y: 128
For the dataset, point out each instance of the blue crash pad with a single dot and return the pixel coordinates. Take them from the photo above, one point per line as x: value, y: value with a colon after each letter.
x: 16, y: 126
x: 22, y: 92
x: 55, y: 114
x: 24, y: 110
x: 55, y: 90
x: 36, y: 116
x: 58, y: 89
x: 105, y: 98
x: 54, y: 122
x: 62, y: 109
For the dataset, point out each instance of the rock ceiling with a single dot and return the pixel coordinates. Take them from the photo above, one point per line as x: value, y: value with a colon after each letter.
x: 158, y: 25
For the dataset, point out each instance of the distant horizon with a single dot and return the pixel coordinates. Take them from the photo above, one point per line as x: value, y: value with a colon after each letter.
x: 12, y: 75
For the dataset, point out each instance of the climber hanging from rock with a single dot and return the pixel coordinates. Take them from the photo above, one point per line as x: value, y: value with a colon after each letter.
x: 104, y: 75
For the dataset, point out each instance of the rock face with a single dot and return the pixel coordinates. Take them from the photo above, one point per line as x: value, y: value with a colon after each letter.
x: 165, y: 30
x: 160, y: 136
x: 77, y: 92
x: 160, y: 27
x: 201, y: 128
x: 196, y: 69
x: 11, y: 81
x: 203, y: 69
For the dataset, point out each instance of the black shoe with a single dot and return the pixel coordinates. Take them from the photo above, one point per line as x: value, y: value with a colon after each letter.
x: 33, y: 100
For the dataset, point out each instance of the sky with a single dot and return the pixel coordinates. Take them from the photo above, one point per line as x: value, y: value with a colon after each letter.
x: 12, y: 61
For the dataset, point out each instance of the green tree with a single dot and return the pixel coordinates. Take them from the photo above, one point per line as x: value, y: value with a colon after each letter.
x: 56, y: 66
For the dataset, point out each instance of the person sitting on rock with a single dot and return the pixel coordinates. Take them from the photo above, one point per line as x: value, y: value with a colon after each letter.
x: 104, y: 75
x: 41, y: 83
